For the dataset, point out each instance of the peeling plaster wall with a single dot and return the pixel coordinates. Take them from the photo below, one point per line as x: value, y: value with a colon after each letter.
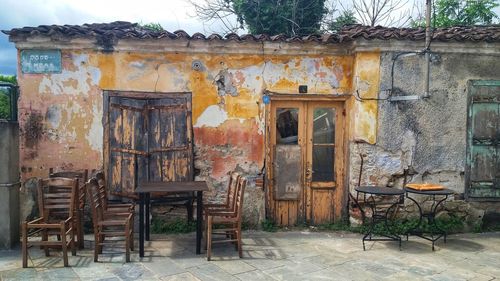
x: 61, y: 114
x: 428, y: 134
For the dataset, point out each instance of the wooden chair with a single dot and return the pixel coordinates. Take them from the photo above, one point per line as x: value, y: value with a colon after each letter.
x: 108, y: 225
x: 117, y: 209
x: 230, y: 219
x: 82, y: 176
x: 109, y: 206
x: 55, y: 196
x: 228, y: 204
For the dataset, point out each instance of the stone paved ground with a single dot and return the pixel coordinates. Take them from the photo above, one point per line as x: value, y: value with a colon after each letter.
x: 276, y: 256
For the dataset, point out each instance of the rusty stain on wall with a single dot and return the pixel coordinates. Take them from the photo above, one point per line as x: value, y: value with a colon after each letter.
x: 33, y: 129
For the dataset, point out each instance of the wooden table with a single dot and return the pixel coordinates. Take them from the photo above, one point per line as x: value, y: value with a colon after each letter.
x: 145, y: 189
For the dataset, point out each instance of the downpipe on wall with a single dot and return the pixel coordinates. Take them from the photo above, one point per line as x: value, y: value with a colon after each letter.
x: 427, y: 48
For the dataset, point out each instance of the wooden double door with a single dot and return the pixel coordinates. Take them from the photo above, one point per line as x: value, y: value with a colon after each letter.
x: 148, y: 137
x: 306, y: 162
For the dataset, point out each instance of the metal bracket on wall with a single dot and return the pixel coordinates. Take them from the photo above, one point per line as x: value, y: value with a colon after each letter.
x: 404, y: 98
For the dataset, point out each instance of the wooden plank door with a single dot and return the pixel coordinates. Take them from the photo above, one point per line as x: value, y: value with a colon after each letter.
x: 324, y: 162
x: 287, y: 143
x: 483, y: 152
x: 307, y: 152
x: 149, y: 135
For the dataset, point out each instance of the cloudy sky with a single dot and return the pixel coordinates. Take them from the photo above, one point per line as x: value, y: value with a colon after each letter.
x: 171, y: 14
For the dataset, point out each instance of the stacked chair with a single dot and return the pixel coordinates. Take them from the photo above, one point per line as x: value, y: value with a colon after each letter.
x: 82, y: 176
x: 109, y: 224
x: 56, y: 203
x: 227, y: 214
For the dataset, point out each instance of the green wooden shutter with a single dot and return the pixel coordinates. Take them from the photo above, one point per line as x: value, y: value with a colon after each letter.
x: 483, y: 139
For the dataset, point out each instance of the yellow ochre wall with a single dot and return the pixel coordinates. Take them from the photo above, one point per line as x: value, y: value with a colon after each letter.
x: 60, y: 114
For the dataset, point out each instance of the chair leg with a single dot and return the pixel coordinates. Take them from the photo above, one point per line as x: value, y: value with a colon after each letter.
x: 96, y: 244
x: 24, y: 229
x: 189, y: 208
x: 132, y: 233
x: 209, y: 237
x: 81, y: 243
x: 238, y: 237
x: 72, y: 243
x: 45, y: 237
x: 101, y: 239
x: 127, y: 242
x: 64, y: 245
x: 204, y: 227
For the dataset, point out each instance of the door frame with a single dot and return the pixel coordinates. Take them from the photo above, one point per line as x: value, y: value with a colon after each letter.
x: 107, y: 94
x: 341, y: 192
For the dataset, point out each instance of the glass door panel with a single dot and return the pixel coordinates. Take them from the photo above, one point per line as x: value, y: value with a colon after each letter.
x: 323, y: 144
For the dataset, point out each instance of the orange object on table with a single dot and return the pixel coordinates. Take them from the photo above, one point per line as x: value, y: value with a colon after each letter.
x: 425, y: 186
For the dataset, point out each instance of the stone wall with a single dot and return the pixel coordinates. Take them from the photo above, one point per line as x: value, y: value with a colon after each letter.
x: 428, y: 135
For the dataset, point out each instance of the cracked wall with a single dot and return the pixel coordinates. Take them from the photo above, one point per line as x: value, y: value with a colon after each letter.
x: 427, y: 134
x: 61, y: 114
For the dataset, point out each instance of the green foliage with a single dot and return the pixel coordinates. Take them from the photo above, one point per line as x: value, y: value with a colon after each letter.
x: 5, y: 96
x: 290, y: 17
x: 462, y: 13
x: 8, y: 78
x: 4, y: 104
x: 153, y: 26
x: 179, y: 225
x: 400, y: 227
x: 345, y: 18
x: 269, y: 226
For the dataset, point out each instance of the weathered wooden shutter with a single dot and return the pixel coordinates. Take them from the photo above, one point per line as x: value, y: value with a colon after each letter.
x: 151, y: 136
x: 170, y: 146
x: 483, y: 155
x: 127, y: 142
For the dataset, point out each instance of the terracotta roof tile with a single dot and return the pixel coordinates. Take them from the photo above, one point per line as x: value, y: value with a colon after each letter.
x: 110, y: 32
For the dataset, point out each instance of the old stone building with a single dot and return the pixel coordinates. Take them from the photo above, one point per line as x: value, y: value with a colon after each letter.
x: 299, y: 111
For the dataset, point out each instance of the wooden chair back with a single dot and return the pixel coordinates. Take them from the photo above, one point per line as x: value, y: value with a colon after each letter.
x: 81, y: 175
x: 242, y: 183
x: 234, y: 178
x: 102, y: 190
x: 95, y: 201
x: 56, y: 198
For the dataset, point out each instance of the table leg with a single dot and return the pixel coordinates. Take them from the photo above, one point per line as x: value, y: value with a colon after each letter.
x: 148, y: 214
x: 199, y: 220
x: 377, y: 217
x: 431, y: 221
x: 141, y: 224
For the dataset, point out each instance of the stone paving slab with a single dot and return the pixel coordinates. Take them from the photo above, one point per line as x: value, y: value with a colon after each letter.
x: 293, y: 255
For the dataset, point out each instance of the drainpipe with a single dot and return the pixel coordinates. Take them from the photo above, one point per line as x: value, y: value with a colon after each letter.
x: 427, y: 48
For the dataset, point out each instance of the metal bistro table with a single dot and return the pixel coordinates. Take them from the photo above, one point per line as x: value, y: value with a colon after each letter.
x: 380, y: 215
x: 145, y: 189
x: 436, y: 232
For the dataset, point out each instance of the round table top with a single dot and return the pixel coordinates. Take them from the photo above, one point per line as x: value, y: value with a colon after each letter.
x: 444, y: 191
x: 379, y: 190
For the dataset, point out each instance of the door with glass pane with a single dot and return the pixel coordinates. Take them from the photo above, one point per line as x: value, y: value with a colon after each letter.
x: 306, y: 161
x: 324, y: 161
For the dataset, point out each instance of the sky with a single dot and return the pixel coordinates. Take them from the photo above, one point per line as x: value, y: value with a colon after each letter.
x: 171, y: 14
